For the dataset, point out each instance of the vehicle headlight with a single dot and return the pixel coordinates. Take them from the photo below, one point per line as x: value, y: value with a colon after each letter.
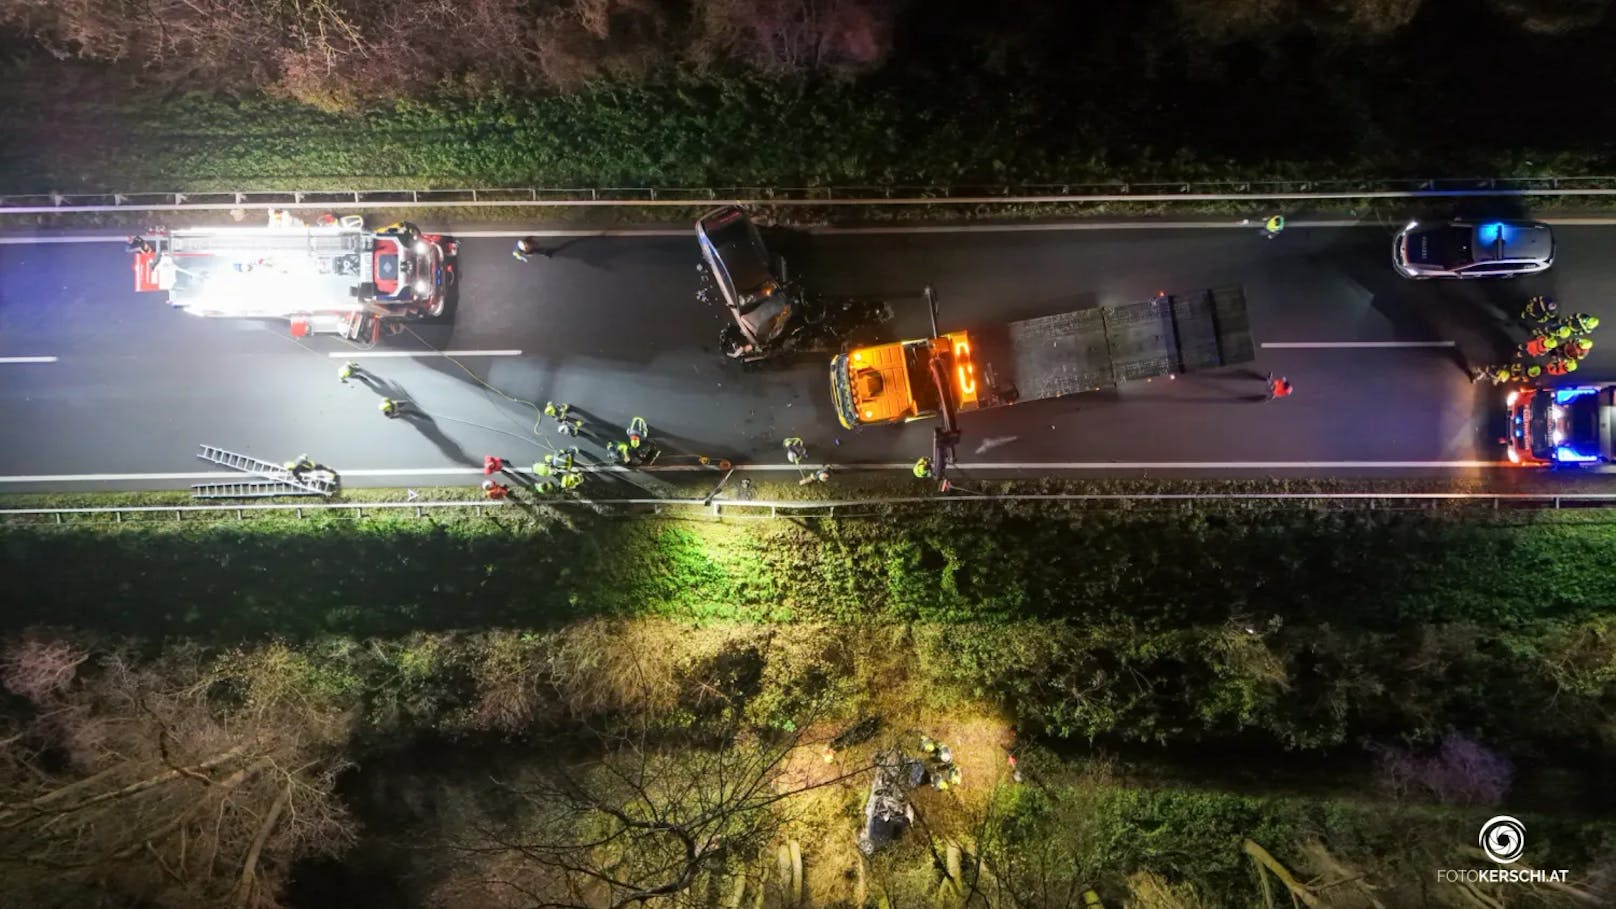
x: 421, y: 248
x: 1514, y: 456
x: 1511, y: 398
x: 422, y: 286
x: 1412, y: 224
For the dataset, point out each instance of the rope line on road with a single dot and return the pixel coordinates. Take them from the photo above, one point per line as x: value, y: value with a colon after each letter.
x: 538, y: 412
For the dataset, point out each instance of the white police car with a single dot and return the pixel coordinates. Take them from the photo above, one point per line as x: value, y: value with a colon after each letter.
x: 1473, y: 249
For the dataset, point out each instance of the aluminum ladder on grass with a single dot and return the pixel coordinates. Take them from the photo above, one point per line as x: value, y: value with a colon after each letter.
x: 248, y: 490
x: 275, y: 473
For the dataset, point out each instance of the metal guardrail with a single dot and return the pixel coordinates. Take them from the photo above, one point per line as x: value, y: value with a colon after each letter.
x: 1002, y: 194
x: 825, y: 508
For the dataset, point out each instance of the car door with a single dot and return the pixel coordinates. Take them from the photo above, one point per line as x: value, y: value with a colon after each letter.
x: 1494, y: 269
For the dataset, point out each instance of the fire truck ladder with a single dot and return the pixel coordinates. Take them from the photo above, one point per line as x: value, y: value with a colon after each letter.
x: 272, y: 479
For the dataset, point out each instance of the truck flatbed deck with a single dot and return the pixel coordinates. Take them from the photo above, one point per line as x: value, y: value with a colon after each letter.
x: 1090, y: 349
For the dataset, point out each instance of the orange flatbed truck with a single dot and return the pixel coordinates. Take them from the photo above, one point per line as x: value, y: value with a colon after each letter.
x: 1034, y: 359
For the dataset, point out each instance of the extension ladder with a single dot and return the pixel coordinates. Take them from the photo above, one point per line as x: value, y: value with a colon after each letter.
x: 246, y: 490
x: 275, y: 473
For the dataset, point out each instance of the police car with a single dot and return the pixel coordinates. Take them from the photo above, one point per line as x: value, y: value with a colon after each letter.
x: 1473, y: 249
x: 1565, y: 426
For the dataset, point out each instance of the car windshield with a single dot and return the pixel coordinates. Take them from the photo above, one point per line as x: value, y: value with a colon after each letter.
x: 1442, y: 247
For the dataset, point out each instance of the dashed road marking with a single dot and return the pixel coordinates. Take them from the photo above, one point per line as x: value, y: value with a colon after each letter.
x: 1350, y: 345
x: 377, y: 354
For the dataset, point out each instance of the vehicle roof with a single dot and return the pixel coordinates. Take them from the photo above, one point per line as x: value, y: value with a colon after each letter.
x: 1513, y: 240
x: 878, y: 377
x: 734, y: 246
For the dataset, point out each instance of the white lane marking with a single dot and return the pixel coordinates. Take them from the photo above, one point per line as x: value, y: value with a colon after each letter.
x: 616, y: 233
x: 27, y: 359
x: 1072, y: 226
x: 42, y: 241
x: 1350, y: 345
x: 1241, y: 465
x: 1056, y: 465
x: 631, y: 233
x: 355, y: 355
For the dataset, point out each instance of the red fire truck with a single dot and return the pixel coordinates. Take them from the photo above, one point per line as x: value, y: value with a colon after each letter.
x: 333, y: 276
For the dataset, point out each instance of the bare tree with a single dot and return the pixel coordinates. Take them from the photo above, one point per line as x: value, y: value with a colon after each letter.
x: 187, y: 780
x: 582, y: 41
x: 1230, y: 20
x: 1553, y: 17
x: 641, y: 814
x: 796, y: 37
x: 1461, y: 772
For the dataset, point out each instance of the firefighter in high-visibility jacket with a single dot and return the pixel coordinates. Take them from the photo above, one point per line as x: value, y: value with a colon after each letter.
x: 1540, y: 309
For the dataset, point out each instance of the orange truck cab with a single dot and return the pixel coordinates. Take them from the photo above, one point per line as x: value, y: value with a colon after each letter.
x: 894, y: 383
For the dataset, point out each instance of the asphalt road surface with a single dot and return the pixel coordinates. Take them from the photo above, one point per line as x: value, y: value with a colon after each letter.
x: 126, y: 388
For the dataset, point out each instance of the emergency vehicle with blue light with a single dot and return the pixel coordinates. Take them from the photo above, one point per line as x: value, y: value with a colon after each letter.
x: 1567, y: 426
x: 1473, y: 249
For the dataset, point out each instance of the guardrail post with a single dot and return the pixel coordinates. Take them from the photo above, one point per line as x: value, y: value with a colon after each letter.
x: 1556, y: 503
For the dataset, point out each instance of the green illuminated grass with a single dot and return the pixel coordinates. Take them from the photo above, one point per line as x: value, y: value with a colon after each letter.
x: 1366, y: 619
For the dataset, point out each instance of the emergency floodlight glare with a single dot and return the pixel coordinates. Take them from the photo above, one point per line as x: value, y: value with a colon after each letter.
x: 1567, y: 454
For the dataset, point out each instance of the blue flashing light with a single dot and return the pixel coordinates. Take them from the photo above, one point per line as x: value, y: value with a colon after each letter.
x: 1562, y: 395
x: 1565, y: 454
x: 1494, y: 232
